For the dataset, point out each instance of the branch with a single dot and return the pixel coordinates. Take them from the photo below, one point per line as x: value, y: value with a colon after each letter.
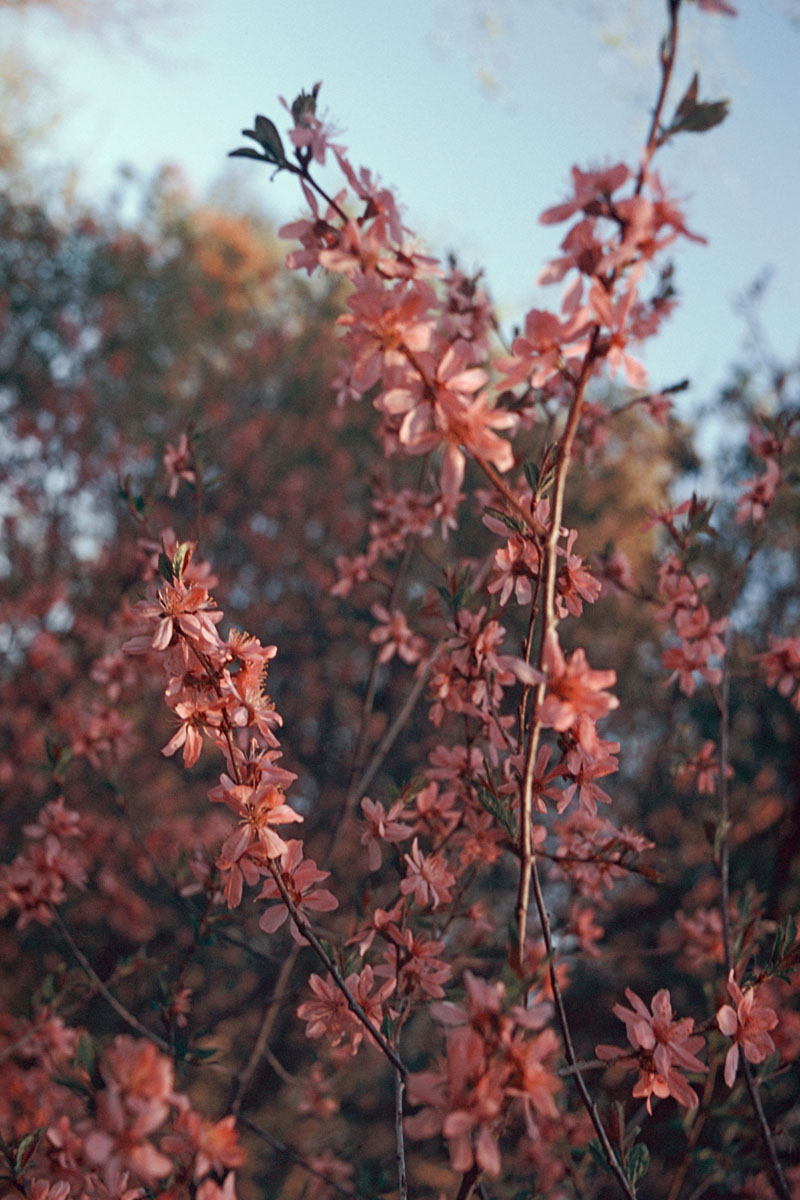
x: 354, y: 1006
x: 282, y: 1148
x: 106, y: 992
x: 402, y: 1181
x: 261, y: 1045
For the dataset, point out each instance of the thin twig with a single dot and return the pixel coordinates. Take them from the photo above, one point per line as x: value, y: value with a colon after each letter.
x: 566, y: 1037
x: 395, y: 729
x: 118, y: 1007
x: 282, y: 1148
x: 778, y: 1179
x: 402, y: 1182
x: 549, y: 624
x: 261, y: 1044
x: 353, y: 1004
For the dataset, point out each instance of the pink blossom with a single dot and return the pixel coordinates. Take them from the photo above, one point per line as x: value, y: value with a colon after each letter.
x: 781, y: 666
x: 330, y: 1015
x: 427, y: 878
x: 664, y: 1047
x: 748, y: 1024
x: 758, y: 494
x: 381, y: 827
x: 394, y: 636
x: 573, y: 688
x: 179, y: 464
x: 587, y: 187
x: 300, y: 876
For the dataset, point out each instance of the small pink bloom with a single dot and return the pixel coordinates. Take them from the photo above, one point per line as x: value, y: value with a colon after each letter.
x: 748, y: 1024
x: 427, y: 878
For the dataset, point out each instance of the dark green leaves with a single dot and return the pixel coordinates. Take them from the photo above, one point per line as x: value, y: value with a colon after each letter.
x: 696, y: 116
x: 268, y: 138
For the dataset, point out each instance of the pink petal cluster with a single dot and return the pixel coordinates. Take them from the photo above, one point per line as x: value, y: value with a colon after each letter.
x: 664, y: 1048
x: 749, y: 1025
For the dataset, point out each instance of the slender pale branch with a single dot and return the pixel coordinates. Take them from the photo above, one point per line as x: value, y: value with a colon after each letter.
x: 549, y: 624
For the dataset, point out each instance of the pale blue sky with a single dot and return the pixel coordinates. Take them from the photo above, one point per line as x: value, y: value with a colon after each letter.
x: 473, y: 167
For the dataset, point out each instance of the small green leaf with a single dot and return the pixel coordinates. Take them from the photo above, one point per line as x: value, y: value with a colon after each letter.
x: 246, y: 152
x: 25, y: 1150
x: 181, y: 559
x: 696, y: 116
x: 706, y: 116
x: 531, y: 470
x: 688, y: 100
x: 638, y: 1162
x: 510, y: 522
x: 267, y: 134
x: 85, y: 1054
x: 201, y: 1055
x: 46, y: 991
x: 596, y: 1151
x: 165, y: 567
x: 789, y: 931
x: 496, y: 808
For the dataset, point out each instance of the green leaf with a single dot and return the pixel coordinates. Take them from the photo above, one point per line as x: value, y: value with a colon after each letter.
x: 85, y: 1054
x: 688, y: 100
x: 267, y: 134
x: 25, y: 1150
x: 788, y: 931
x: 697, y: 116
x: 165, y: 567
x: 246, y: 152
x: 638, y: 1162
x: 496, y: 808
x: 181, y: 559
x: 510, y: 522
x: 596, y: 1151
x: 531, y: 470
x: 200, y: 1054
x: 47, y: 989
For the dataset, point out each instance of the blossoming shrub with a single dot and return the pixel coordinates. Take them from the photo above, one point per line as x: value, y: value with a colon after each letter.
x: 502, y: 759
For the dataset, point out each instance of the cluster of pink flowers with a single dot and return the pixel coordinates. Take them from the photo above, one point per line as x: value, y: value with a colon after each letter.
x: 749, y: 1025
x: 664, y: 1049
x: 217, y: 689
x: 123, y: 1138
x: 493, y: 1056
x: 700, y: 639
x: 36, y: 880
x: 758, y: 493
x: 781, y: 666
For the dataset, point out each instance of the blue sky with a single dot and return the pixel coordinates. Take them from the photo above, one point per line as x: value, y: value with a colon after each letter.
x: 474, y: 111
